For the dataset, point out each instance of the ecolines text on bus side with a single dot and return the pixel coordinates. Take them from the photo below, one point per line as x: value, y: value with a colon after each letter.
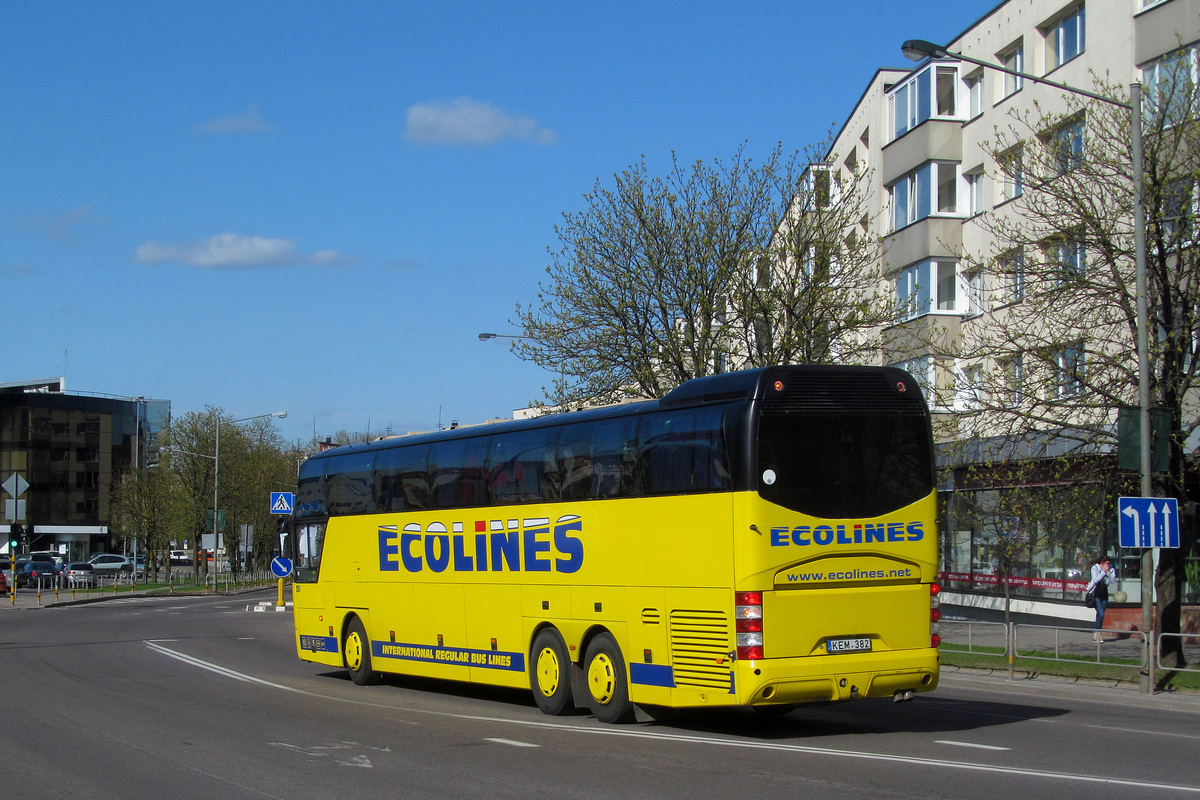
x: 864, y: 533
x: 528, y: 545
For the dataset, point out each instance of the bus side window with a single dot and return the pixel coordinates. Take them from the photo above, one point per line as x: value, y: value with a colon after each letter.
x: 683, y: 452
x: 522, y: 467
x: 459, y: 477
x: 614, y: 459
x: 349, y: 483
x: 389, y: 496
x: 414, y: 479
x: 575, y: 465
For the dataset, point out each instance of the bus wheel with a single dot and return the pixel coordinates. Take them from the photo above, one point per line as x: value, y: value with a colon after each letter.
x: 357, y: 649
x: 550, y: 678
x: 608, y: 686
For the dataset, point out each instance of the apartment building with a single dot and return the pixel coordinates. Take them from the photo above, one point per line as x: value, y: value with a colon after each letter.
x: 926, y: 141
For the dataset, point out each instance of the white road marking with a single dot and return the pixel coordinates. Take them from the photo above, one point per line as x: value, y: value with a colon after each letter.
x: 512, y: 742
x: 971, y: 744
x: 663, y: 736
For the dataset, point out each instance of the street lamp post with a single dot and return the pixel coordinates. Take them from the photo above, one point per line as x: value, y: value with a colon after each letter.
x: 919, y: 49
x: 216, y: 484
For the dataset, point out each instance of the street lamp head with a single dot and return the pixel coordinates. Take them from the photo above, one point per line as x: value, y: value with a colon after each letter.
x: 919, y: 49
x: 483, y: 337
x: 280, y: 414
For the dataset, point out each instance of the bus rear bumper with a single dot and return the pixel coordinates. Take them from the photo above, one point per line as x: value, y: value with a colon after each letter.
x: 835, y: 678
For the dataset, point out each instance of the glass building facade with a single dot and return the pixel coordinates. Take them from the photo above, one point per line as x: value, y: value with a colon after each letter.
x: 66, y: 451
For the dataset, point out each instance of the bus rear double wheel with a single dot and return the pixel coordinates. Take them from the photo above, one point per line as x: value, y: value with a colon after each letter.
x: 607, y: 681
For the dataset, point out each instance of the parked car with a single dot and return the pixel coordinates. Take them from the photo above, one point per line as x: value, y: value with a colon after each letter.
x: 3, y: 582
x: 110, y: 564
x: 36, y: 574
x: 181, y: 558
x: 48, y: 555
x: 6, y: 569
x: 78, y: 573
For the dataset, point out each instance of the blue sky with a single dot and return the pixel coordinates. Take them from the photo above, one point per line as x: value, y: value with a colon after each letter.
x: 317, y: 207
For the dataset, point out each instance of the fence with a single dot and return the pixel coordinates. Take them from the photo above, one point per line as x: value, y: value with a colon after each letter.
x: 1119, y: 649
x: 1189, y: 642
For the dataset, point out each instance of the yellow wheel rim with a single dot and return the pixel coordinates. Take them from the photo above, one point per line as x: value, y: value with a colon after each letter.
x: 548, y: 671
x: 354, y: 651
x: 602, y: 678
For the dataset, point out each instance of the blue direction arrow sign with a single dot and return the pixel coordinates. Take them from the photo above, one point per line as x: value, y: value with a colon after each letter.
x: 282, y: 502
x: 281, y: 567
x: 1148, y: 521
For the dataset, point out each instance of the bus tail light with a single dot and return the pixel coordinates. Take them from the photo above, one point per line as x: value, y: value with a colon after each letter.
x: 749, y: 619
x: 935, y: 614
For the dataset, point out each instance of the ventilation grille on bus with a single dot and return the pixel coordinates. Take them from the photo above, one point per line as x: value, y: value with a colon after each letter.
x: 651, y: 616
x: 868, y: 391
x: 700, y: 645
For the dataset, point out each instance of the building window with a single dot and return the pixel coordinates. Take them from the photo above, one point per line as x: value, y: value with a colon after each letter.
x: 974, y: 281
x: 975, y: 192
x: 968, y: 388
x: 1011, y: 268
x: 1069, y: 363
x: 1012, y: 173
x: 1179, y: 201
x: 927, y: 287
x: 1066, y: 147
x: 915, y: 196
x: 1067, y: 257
x: 1012, y: 377
x: 1013, y: 59
x: 1170, y: 87
x: 931, y: 92
x: 1064, y: 38
x: 947, y: 82
x: 975, y: 95
x: 924, y: 371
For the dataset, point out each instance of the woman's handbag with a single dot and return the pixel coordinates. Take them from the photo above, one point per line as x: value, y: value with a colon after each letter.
x: 1089, y: 599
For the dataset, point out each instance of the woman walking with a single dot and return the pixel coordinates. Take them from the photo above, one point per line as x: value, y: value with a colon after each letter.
x: 1103, y: 576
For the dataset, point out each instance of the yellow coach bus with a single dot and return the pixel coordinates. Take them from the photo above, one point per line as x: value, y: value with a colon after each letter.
x: 762, y: 538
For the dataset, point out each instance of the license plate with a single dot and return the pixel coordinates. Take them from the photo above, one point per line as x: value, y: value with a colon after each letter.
x: 848, y: 644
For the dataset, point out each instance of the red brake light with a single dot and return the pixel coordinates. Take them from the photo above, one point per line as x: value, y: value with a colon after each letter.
x: 748, y: 614
x: 779, y: 386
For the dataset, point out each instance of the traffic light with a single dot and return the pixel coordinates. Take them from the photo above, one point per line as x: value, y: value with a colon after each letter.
x: 16, y: 534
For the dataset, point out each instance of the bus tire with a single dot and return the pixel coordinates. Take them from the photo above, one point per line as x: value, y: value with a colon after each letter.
x: 607, y: 681
x: 550, y: 677
x: 357, y: 653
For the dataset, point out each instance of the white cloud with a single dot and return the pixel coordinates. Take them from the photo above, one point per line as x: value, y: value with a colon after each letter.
x: 232, y: 251
x: 465, y: 122
x: 249, y: 122
x: 66, y: 227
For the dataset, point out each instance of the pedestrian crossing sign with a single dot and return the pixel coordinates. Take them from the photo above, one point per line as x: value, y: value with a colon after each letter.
x: 282, y: 502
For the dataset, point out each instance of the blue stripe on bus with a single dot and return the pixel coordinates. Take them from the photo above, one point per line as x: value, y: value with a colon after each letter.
x: 652, y: 675
x: 455, y: 656
x: 319, y: 644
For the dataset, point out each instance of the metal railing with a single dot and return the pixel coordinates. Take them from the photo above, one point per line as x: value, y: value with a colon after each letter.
x: 1188, y: 642
x: 1115, y: 648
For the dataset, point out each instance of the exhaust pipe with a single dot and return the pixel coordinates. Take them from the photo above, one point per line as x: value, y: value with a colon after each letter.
x: 902, y: 696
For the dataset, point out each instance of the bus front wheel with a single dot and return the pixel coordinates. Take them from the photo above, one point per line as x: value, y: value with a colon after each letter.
x: 357, y: 650
x: 607, y: 682
x: 550, y: 679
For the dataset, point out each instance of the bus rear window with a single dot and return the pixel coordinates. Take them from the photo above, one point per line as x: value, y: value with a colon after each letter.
x: 844, y: 465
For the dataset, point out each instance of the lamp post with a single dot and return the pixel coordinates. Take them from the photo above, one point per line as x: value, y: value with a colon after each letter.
x: 919, y: 49
x: 216, y: 484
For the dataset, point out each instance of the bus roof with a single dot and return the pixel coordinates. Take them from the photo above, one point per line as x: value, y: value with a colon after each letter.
x: 724, y: 387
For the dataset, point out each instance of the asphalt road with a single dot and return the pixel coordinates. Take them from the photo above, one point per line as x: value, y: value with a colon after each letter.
x: 201, y: 698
